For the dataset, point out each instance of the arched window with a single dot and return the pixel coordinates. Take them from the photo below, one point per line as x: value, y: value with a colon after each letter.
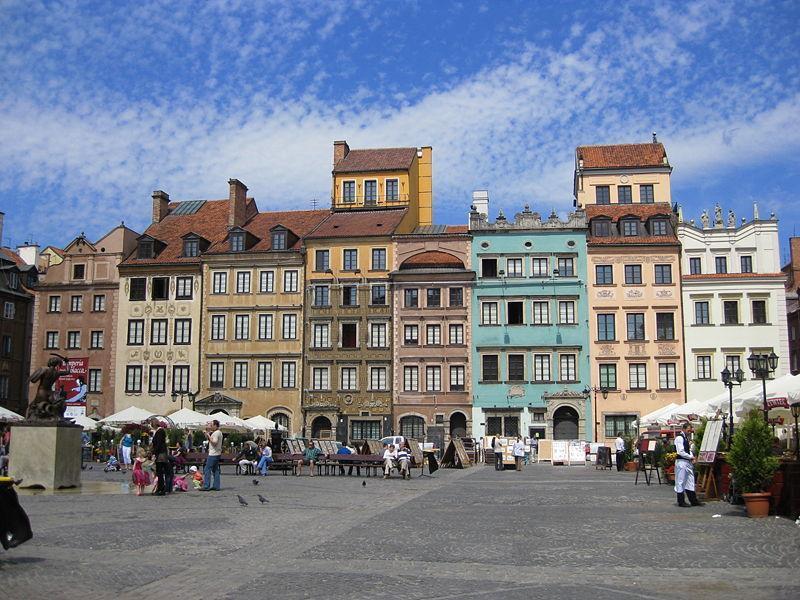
x: 412, y: 427
x: 281, y: 419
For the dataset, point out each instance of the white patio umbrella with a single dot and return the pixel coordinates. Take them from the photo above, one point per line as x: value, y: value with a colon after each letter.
x: 9, y: 415
x: 261, y: 423
x: 132, y: 414
x: 659, y: 415
x: 186, y: 418
x: 87, y: 423
x: 787, y: 386
x: 229, y: 422
x: 693, y: 407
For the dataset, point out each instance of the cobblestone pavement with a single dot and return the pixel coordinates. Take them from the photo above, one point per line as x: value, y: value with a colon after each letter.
x: 563, y: 532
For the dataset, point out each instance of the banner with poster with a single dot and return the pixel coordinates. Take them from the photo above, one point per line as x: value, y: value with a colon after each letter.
x: 75, y: 386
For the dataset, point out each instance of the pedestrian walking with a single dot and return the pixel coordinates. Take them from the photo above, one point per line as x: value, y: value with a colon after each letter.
x: 126, y: 445
x: 214, y: 440
x: 497, y: 448
x: 519, y: 453
x: 619, y: 445
x: 161, y: 457
x: 534, y: 448
x: 684, y: 468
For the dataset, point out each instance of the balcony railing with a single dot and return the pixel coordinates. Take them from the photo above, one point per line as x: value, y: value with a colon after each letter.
x: 370, y: 201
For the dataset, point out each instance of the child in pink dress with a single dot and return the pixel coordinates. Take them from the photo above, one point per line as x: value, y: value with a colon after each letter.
x: 141, y: 478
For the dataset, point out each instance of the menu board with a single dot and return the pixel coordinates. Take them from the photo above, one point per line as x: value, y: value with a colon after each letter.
x: 577, y: 452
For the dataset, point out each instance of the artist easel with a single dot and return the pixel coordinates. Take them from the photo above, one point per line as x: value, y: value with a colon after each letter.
x: 647, y: 463
x: 705, y: 481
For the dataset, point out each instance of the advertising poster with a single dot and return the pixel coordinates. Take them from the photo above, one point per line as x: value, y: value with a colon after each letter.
x: 74, y: 386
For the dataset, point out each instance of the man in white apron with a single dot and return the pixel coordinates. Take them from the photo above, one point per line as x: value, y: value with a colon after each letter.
x: 684, y: 468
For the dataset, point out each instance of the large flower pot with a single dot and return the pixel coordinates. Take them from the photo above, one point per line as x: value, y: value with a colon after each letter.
x: 630, y: 465
x: 757, y: 504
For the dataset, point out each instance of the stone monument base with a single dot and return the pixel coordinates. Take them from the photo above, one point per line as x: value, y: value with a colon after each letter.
x: 46, y: 454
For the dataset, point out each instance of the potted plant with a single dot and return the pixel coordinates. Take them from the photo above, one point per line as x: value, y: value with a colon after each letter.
x: 752, y: 462
x: 629, y: 456
x: 669, y: 466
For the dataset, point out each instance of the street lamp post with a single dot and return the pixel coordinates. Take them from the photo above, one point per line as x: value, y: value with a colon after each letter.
x: 604, y: 392
x: 729, y: 381
x: 762, y: 365
x: 191, y: 395
x: 796, y: 413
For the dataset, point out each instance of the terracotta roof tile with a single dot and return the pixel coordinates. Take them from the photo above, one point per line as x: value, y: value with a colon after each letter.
x: 648, y: 240
x: 622, y: 155
x: 359, y: 223
x: 431, y: 260
x: 702, y: 276
x: 299, y: 222
x: 12, y: 256
x: 377, y: 159
x: 617, y: 211
x: 456, y: 229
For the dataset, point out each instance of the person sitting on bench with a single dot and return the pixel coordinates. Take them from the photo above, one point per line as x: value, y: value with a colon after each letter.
x: 404, y: 460
x: 389, y: 458
x: 345, y: 451
x: 247, y: 459
x: 309, y: 458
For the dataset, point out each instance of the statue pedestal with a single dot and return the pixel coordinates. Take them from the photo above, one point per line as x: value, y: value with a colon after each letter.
x: 45, y: 454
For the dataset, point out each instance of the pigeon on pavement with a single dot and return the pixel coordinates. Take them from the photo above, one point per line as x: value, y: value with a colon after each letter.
x: 363, y: 484
x: 261, y: 499
x: 255, y: 481
x: 242, y: 501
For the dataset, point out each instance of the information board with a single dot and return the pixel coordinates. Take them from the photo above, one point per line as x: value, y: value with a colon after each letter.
x: 708, y: 449
x: 577, y: 453
x: 545, y: 451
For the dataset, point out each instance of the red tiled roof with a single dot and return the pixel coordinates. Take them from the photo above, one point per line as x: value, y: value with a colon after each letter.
x: 377, y: 159
x: 622, y: 155
x: 12, y: 256
x: 299, y: 222
x: 456, y: 229
x: 702, y: 276
x: 432, y: 259
x: 359, y: 223
x: 617, y: 211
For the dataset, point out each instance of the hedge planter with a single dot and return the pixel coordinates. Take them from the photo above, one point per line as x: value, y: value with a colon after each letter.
x: 757, y: 504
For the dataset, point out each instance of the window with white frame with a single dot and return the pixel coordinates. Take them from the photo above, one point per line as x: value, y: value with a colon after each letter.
x: 288, y: 375
x: 241, y: 327
x: 489, y: 313
x: 457, y: 378
x: 566, y: 312
x: 349, y: 378
x: 456, y: 337
x: 566, y: 266
x: 96, y: 340
x: 411, y: 335
x: 76, y: 304
x: 264, y: 374
x: 540, y: 266
x: 158, y: 331
x: 377, y: 379
x: 180, y: 378
x: 183, y: 331
x: 216, y: 374
x: 73, y: 340
x: 411, y: 379
x: 514, y: 267
x: 433, y: 335
x: 183, y: 288
x: 704, y: 366
x: 217, y: 327
x: 320, y: 378
x: 158, y: 379
x: 290, y: 281
x: 637, y: 376
x: 242, y: 282
x: 541, y: 367
x: 322, y: 335
x: 289, y: 329
x: 95, y: 380
x: 265, y: 327
x: 433, y: 378
x: 135, y: 332
x: 51, y: 340
x: 377, y: 335
x: 568, y: 368
x: 541, y: 312
x: 133, y: 379
x: 99, y: 303
x: 219, y: 282
x: 54, y: 304
x: 667, y: 376
x: 266, y: 282
x: 240, y: 374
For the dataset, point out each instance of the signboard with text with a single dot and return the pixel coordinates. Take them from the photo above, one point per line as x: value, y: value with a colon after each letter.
x: 75, y: 386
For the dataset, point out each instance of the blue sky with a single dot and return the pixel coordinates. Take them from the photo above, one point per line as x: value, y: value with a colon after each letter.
x: 101, y: 103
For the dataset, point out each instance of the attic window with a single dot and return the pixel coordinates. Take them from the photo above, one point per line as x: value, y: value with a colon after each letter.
x: 237, y: 242
x: 630, y: 227
x: 191, y: 247
x: 279, y: 240
x: 602, y: 228
x: 145, y: 249
x: 659, y: 227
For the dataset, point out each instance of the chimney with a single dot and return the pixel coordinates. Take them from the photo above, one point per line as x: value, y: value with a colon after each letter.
x: 340, y: 150
x: 480, y: 200
x: 160, y: 205
x: 29, y: 253
x: 237, y: 203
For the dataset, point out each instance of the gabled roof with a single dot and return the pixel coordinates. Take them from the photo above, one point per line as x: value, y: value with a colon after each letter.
x: 9, y: 255
x: 56, y: 250
x: 615, y: 212
x: 298, y: 222
x: 354, y: 223
x: 376, y: 159
x: 622, y: 156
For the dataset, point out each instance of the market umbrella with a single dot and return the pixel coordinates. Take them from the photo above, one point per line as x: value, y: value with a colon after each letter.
x: 132, y: 414
x: 261, y: 423
x: 230, y: 423
x: 87, y: 423
x: 659, y: 415
x: 186, y: 418
x: 9, y: 415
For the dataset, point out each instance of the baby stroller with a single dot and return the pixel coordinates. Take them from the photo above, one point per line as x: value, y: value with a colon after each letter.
x: 112, y: 464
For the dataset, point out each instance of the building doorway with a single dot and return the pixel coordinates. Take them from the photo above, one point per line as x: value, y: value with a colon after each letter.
x: 321, y: 428
x: 458, y: 425
x: 565, y: 424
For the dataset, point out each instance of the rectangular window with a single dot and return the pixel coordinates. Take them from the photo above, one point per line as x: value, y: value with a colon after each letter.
x: 608, y: 377
x: 349, y: 337
x: 566, y: 312
x: 289, y: 329
x: 602, y: 194
x: 606, y: 327
x: 731, y: 312
x: 76, y: 304
x: 759, y: 312
x: 646, y: 195
x: 349, y: 295
x: 377, y: 379
x: 411, y: 298
x: 183, y: 288
x: 747, y: 264
x: 265, y: 327
x: 490, y: 370
x: 183, y: 331
x: 433, y: 379
x: 290, y: 281
x: 322, y: 260
x: 733, y: 362
x: 456, y: 336
x: 370, y: 192
x: 266, y: 282
x: 513, y: 267
x: 456, y: 296
x: 138, y: 289
x: 219, y: 282
x: 191, y: 248
x: 264, y: 374
x: 237, y: 242
x: 158, y: 331
x: 489, y: 313
x: 457, y: 378
x: 241, y: 327
x: 217, y: 327
x: 279, y: 240
x: 54, y: 304
x: 566, y: 267
x: 240, y: 374
x: 133, y: 379
x: 349, y: 191
x: 158, y: 379
x: 95, y: 380
x: 180, y: 378
x: 568, y: 367
x: 52, y: 340
x: 701, y: 314
x: 349, y: 260
x: 516, y: 367
x: 159, y: 288
x: 321, y: 335
x: 667, y: 376
x: 516, y: 313
x: 377, y: 335
x: 243, y: 282
x: 633, y: 274
x: 635, y: 326
x: 349, y: 379
x: 392, y: 193
x: 663, y: 274
x: 135, y: 332
x: 320, y: 378
x: 410, y: 379
x: 658, y: 227
x: 721, y: 264
x: 378, y: 295
x: 217, y: 374
x: 665, y: 326
x: 541, y: 312
x: 541, y: 367
x: 433, y: 335
x: 288, y: 375
x: 379, y: 259
x: 79, y: 271
x: 540, y: 266
x: 602, y: 228
x: 704, y: 367
x: 637, y: 376
x: 624, y: 195
x: 630, y: 228
x: 365, y: 430
x: 322, y: 295
x: 433, y: 298
x: 624, y: 424
x: 4, y: 383
x: 411, y: 335
x: 7, y: 346
x: 695, y: 266
x: 488, y: 267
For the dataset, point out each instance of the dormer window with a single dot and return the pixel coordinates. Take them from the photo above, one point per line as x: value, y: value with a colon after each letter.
x: 191, y: 247
x: 279, y: 240
x: 145, y: 249
x: 237, y: 241
x: 658, y: 227
x: 602, y: 228
x: 630, y: 227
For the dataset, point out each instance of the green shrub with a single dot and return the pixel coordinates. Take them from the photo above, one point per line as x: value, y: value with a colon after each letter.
x: 750, y: 456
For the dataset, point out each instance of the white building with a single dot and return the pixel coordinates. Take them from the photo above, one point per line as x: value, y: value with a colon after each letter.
x: 733, y: 298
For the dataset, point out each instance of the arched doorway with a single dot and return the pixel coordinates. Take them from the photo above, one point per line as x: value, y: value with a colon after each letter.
x: 458, y: 425
x: 565, y: 424
x: 321, y: 428
x: 412, y: 427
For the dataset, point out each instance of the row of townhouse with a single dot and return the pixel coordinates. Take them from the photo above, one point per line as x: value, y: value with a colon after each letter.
x: 368, y: 319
